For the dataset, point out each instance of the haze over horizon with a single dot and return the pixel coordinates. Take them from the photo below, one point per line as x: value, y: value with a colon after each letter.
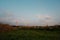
x: 30, y: 12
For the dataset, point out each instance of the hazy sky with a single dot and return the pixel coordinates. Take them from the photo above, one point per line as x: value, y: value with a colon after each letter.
x: 30, y: 12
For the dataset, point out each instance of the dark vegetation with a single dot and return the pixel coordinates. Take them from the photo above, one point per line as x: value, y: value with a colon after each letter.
x: 12, y: 27
x: 9, y: 32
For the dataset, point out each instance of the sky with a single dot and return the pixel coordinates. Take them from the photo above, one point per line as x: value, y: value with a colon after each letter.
x: 30, y: 12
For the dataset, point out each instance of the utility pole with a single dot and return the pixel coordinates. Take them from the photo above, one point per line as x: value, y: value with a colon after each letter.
x: 16, y: 23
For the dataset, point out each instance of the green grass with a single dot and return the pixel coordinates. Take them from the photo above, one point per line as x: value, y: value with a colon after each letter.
x: 30, y: 35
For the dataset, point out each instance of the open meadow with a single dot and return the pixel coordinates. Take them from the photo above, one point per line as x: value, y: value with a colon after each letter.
x: 30, y: 35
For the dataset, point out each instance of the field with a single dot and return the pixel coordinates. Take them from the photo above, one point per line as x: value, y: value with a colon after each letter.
x: 30, y: 35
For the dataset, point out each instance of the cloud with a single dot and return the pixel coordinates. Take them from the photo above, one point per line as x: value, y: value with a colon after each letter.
x: 6, y: 13
x: 46, y: 19
x: 43, y: 16
x: 6, y: 16
x: 9, y: 17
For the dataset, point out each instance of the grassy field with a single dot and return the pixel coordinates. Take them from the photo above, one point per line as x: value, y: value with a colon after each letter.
x: 30, y: 35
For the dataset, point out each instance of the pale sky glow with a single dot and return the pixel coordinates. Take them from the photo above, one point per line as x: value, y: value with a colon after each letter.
x: 30, y: 12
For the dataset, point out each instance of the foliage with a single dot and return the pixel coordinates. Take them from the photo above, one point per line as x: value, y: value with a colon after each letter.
x: 30, y: 35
